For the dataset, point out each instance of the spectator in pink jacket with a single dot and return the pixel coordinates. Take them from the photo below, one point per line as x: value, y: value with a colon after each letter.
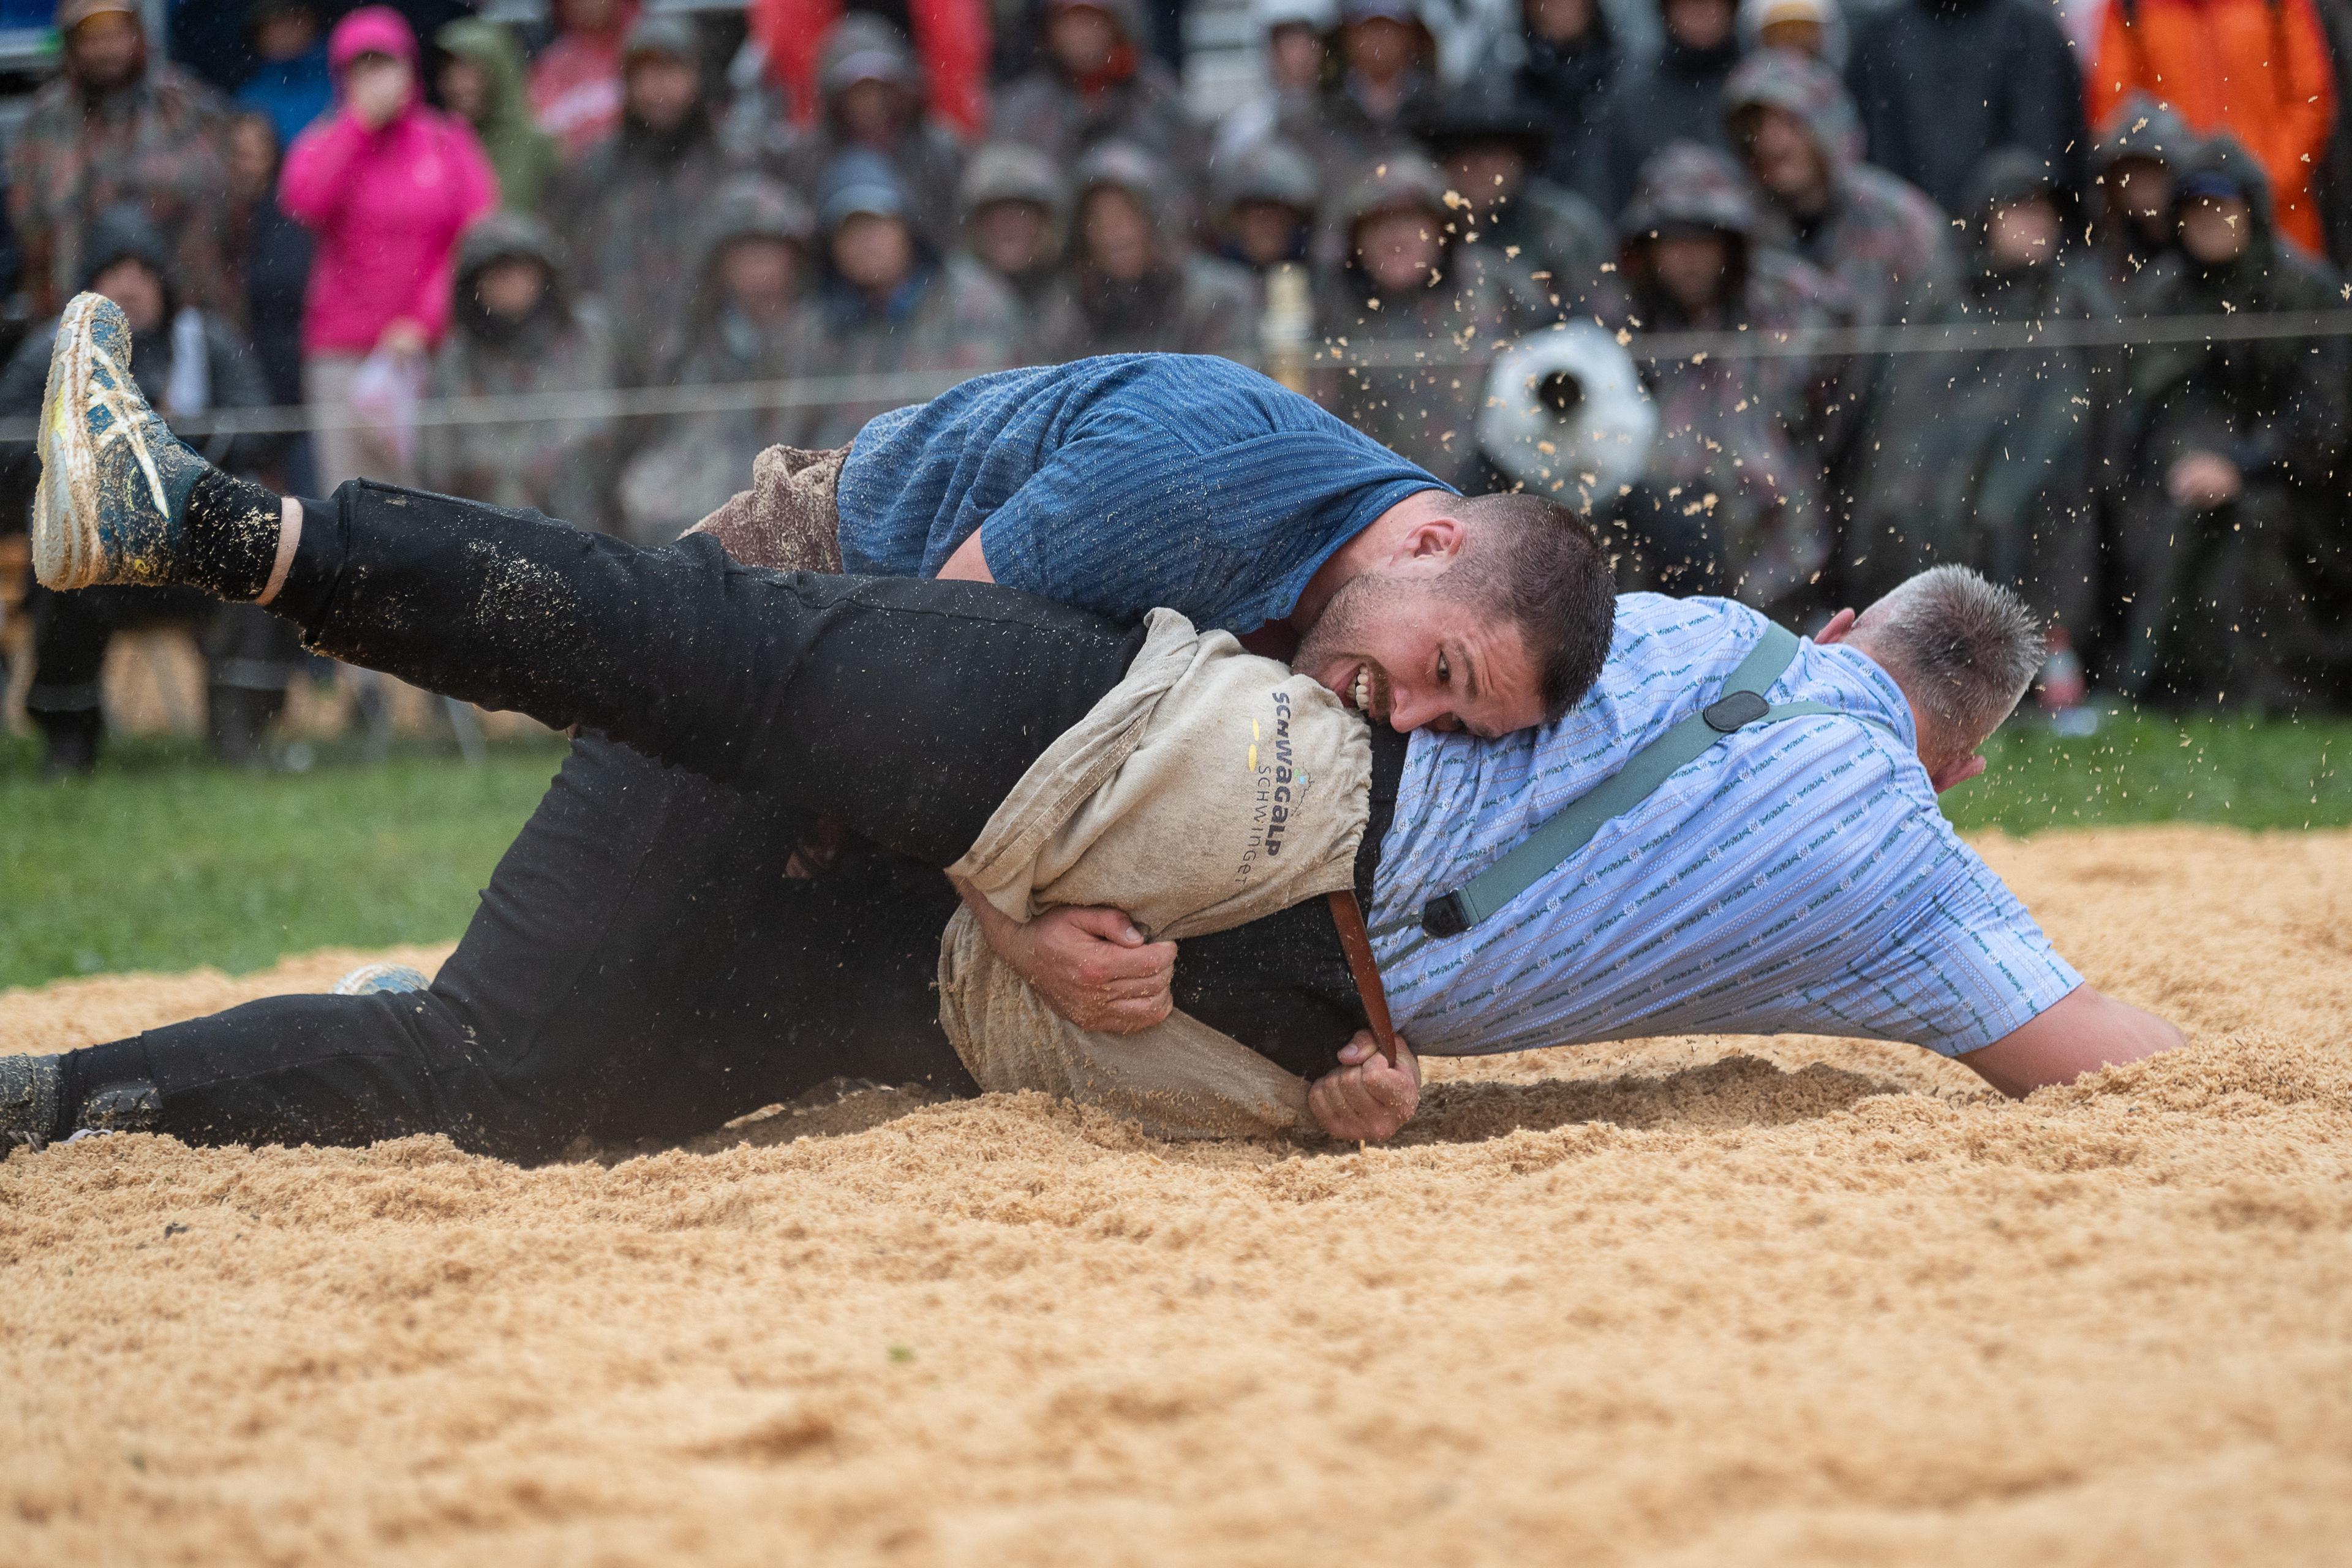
x: 388, y: 186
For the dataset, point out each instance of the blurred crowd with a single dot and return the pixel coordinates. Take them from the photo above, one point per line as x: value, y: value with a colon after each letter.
x: 364, y: 210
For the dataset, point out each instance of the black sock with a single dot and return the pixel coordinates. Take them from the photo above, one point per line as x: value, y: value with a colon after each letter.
x: 318, y: 564
x: 231, y: 533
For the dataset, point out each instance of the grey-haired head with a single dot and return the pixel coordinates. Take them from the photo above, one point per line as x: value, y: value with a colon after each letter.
x: 1963, y: 649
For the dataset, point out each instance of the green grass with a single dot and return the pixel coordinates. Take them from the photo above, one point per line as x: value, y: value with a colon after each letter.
x: 2246, y: 771
x: 165, y: 861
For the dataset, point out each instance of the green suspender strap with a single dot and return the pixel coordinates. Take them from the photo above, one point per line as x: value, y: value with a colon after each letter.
x: 1738, y: 705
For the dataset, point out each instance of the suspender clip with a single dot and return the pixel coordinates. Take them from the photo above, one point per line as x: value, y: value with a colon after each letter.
x: 1734, y: 711
x: 1445, y: 916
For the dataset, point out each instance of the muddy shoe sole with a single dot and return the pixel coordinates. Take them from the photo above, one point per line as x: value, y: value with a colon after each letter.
x: 90, y: 399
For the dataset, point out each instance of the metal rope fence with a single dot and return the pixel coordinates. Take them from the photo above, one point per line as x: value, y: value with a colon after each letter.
x: 1442, y: 353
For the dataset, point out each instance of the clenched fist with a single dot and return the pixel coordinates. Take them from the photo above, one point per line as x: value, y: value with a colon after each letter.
x: 1365, y: 1099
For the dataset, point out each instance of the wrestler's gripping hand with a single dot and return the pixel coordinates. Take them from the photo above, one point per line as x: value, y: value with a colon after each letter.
x: 1364, y: 1100
x: 1094, y: 968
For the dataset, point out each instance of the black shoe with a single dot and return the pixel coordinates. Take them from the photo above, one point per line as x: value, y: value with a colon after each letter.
x: 29, y: 1100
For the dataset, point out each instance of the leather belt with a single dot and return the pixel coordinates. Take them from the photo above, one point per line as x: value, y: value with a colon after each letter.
x: 1357, y: 943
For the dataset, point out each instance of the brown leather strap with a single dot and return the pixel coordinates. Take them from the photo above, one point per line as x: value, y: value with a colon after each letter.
x: 1357, y: 943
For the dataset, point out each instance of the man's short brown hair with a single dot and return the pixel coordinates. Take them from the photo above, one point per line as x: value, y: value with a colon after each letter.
x: 1541, y: 567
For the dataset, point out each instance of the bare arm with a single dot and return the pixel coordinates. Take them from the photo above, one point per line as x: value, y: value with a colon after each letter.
x: 968, y: 564
x: 2085, y: 1032
x: 1091, y: 965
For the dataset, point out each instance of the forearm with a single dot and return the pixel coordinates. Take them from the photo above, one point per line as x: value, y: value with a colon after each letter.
x: 1090, y: 966
x: 1004, y: 934
x: 2084, y: 1033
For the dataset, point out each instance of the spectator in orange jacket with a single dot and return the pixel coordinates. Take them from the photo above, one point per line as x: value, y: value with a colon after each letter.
x: 2256, y: 69
x: 952, y: 39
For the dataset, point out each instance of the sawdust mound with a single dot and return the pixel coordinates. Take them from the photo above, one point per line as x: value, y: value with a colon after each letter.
x: 1686, y: 1301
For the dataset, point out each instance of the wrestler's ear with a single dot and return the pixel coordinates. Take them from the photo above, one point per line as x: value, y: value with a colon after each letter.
x: 1433, y: 541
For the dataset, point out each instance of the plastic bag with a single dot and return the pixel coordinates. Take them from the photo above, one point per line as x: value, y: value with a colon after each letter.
x: 385, y: 391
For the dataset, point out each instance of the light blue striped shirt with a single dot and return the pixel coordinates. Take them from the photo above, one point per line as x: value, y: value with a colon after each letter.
x: 1797, y: 878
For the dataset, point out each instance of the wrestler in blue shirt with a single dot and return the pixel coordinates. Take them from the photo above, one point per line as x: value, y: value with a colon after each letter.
x: 1795, y: 876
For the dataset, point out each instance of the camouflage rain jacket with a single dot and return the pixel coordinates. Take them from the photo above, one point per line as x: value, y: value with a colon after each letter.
x: 156, y: 144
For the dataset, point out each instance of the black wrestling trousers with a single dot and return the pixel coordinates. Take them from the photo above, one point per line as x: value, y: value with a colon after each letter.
x: 908, y: 708
x: 643, y: 963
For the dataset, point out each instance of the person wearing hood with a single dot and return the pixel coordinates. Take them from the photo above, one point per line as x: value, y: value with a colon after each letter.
x: 624, y: 210
x: 1136, y: 285
x: 1678, y: 97
x: 1295, y: 44
x: 874, y: 98
x: 1399, y: 271
x: 1939, y: 84
x: 952, y: 44
x: 575, y: 81
x: 2231, y: 453
x: 2131, y: 187
x: 1565, y: 61
x: 290, y: 81
x: 754, y: 270
x: 1794, y: 126
x: 387, y: 185
x: 1491, y: 146
x: 516, y: 329
x: 1989, y: 459
x: 115, y: 127
x: 1262, y: 206
x: 888, y: 304
x: 190, y: 364
x: 1012, y: 214
x: 1813, y: 28
x: 1099, y: 83
x: 2258, y: 69
x: 481, y: 82
x: 1386, y: 84
x: 1731, y: 501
